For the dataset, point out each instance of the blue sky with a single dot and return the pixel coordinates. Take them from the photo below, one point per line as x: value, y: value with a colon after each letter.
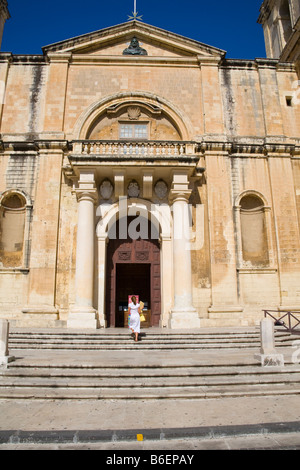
x: 228, y: 25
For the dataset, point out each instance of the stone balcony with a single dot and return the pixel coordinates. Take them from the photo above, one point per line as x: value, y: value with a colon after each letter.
x: 135, y: 149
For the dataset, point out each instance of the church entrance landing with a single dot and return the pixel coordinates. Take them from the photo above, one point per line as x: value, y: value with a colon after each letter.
x: 133, y: 268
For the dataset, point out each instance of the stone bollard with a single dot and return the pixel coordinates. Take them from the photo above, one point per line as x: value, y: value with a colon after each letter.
x: 268, y: 355
x: 5, y: 358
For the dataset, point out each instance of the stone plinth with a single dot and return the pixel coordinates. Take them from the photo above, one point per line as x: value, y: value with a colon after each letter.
x: 268, y: 355
x: 5, y: 358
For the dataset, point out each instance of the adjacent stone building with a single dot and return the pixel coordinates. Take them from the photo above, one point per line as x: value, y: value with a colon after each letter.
x: 137, y: 161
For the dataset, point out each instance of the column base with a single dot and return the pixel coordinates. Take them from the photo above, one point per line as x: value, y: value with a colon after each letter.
x: 184, y: 319
x: 272, y: 359
x: 102, y: 321
x: 81, y: 319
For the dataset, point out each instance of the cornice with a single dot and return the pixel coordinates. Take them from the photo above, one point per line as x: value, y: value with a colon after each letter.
x: 250, y: 149
x: 256, y: 148
x: 33, y: 146
x: 82, y: 59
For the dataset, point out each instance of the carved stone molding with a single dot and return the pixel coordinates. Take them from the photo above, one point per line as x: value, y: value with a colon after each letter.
x: 133, y: 189
x: 142, y: 255
x: 106, y: 189
x: 124, y: 255
x: 134, y: 113
x: 161, y: 189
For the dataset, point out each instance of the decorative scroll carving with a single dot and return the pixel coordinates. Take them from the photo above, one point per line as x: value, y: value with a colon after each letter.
x: 142, y: 255
x: 124, y: 255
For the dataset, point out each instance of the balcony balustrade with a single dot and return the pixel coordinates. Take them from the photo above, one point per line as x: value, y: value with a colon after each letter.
x: 134, y: 149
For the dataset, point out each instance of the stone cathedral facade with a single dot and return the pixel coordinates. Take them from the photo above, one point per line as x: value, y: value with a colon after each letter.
x: 135, y: 161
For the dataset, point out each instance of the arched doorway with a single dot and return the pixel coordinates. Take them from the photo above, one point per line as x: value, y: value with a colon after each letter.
x: 133, y: 267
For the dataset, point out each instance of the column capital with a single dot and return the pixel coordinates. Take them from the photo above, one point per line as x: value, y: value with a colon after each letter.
x: 87, y: 195
x: 182, y: 195
x: 180, y: 186
x: 86, y: 190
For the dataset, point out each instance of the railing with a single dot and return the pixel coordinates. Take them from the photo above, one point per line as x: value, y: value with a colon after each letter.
x: 289, y: 317
x: 163, y: 149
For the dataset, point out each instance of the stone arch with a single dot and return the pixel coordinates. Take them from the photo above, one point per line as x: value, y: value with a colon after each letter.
x: 149, y: 101
x: 26, y: 200
x: 160, y: 216
x: 251, y: 193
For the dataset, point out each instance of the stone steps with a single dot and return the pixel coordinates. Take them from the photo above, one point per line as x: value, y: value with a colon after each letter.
x: 192, y: 394
x: 113, y: 381
x: 148, y: 340
x: 186, y: 365
x: 146, y: 392
x: 32, y: 380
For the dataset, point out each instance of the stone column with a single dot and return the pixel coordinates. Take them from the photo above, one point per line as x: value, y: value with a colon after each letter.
x: 183, y: 314
x: 167, y: 281
x: 102, y: 243
x: 83, y: 314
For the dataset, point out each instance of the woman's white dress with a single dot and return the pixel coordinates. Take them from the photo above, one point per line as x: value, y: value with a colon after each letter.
x: 135, y: 322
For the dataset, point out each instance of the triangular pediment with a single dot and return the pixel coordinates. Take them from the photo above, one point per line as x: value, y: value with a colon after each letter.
x: 114, y: 40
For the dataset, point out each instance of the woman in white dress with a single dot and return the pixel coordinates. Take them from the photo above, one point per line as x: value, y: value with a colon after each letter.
x: 135, y: 322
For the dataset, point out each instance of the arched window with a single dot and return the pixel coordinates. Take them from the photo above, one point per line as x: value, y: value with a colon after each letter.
x: 13, y: 228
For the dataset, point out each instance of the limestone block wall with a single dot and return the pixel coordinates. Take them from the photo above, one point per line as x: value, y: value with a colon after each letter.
x: 24, y: 84
x: 255, y: 99
x: 200, y: 246
x: 242, y: 99
x: 19, y: 171
x: 29, y: 288
x: 66, y: 252
x: 86, y: 86
x: 44, y: 231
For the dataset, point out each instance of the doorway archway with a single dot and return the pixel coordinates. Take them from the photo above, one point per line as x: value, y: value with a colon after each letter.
x: 133, y: 268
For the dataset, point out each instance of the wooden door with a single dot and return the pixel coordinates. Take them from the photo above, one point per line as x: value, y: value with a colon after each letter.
x: 141, y: 271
